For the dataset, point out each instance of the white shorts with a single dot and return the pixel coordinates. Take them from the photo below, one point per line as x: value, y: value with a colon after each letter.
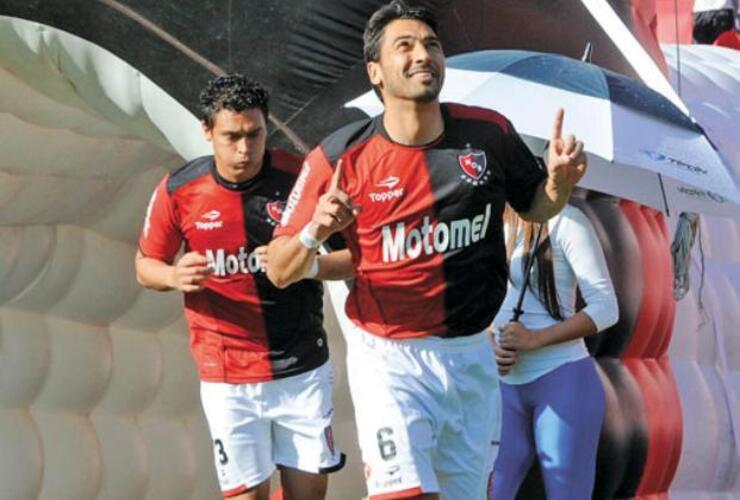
x: 426, y: 412
x: 256, y: 427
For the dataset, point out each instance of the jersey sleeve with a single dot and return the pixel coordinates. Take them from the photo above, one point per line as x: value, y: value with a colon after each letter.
x: 523, y: 172
x: 577, y: 238
x: 312, y: 182
x: 160, y: 237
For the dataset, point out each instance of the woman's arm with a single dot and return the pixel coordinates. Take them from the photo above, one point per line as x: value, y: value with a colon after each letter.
x: 583, y: 252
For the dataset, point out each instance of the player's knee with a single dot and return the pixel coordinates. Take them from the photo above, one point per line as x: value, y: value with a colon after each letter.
x: 303, y: 486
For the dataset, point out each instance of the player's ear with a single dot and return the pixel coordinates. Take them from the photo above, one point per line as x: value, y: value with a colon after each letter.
x: 374, y: 73
x: 207, y: 130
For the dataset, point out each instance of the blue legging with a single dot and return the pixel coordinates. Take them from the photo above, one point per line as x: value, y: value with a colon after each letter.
x: 556, y: 418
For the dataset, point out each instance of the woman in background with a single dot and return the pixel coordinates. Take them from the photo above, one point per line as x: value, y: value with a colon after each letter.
x: 552, y: 397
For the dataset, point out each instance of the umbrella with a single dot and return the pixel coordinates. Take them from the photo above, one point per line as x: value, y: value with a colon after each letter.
x: 640, y: 146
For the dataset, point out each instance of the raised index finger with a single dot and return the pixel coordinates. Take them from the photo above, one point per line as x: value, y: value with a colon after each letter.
x: 336, y: 176
x: 557, y: 128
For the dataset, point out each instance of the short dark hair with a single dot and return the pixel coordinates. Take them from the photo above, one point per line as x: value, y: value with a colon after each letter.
x: 375, y: 26
x: 234, y: 92
x: 710, y: 24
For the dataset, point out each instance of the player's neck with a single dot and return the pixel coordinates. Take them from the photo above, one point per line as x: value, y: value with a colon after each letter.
x: 412, y: 123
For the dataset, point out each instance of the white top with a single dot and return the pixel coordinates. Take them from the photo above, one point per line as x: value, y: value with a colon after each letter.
x: 578, y: 261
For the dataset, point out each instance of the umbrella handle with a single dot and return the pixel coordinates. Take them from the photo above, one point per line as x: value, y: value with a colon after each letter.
x: 528, y: 268
x: 518, y: 311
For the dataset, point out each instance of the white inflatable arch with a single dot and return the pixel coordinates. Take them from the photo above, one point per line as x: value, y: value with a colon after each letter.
x: 98, y: 393
x: 705, y: 350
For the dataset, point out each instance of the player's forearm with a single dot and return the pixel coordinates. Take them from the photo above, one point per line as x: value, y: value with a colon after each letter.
x: 336, y: 266
x: 577, y: 326
x: 154, y: 274
x: 289, y: 260
x: 549, y: 200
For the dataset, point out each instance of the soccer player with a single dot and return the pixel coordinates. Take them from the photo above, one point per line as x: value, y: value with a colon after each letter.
x: 261, y: 352
x: 418, y: 194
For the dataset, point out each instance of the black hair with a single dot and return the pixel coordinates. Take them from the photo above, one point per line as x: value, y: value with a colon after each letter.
x: 234, y: 92
x: 710, y: 24
x: 375, y: 27
x: 546, y: 291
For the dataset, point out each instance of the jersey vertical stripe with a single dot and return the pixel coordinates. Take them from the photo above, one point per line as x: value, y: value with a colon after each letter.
x: 428, y: 244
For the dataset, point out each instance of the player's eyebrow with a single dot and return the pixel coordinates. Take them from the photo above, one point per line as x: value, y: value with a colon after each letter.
x: 240, y: 131
x: 426, y: 38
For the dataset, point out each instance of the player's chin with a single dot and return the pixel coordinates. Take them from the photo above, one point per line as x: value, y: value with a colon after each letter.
x: 426, y: 93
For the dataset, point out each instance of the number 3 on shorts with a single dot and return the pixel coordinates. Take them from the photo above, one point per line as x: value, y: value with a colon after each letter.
x: 222, y: 458
x: 386, y: 445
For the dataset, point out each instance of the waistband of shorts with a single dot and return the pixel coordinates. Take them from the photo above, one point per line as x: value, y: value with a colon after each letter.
x: 467, y: 342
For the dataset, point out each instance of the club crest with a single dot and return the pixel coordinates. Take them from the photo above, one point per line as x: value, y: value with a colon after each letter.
x: 473, y: 164
x: 275, y: 210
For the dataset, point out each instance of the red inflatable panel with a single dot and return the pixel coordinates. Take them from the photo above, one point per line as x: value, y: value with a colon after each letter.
x: 645, y: 356
x: 652, y: 330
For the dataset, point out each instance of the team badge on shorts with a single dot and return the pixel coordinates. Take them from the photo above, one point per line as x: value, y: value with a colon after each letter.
x: 329, y: 436
x: 275, y: 212
x: 475, y: 166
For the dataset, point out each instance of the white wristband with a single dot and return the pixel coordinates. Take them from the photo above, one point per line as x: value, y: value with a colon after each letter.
x: 307, y: 239
x: 313, y: 271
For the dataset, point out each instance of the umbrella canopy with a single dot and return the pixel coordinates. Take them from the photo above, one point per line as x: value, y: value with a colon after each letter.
x: 307, y: 52
x: 641, y: 146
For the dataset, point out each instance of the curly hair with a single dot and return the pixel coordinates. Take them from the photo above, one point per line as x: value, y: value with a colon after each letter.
x: 375, y: 26
x: 234, y: 92
x: 710, y: 24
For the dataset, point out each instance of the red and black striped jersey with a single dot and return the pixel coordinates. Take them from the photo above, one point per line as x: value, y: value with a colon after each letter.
x: 242, y: 328
x: 428, y: 245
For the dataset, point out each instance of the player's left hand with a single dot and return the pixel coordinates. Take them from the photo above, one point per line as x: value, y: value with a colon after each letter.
x: 517, y: 337
x: 261, y: 253
x: 566, y: 161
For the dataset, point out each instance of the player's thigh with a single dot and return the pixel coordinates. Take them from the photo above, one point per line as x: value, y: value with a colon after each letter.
x: 394, y: 415
x: 242, y: 441
x: 471, y: 422
x: 301, y: 417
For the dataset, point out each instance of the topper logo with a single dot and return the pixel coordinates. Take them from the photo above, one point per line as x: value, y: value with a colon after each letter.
x: 389, y: 183
x: 213, y: 223
x: 212, y: 215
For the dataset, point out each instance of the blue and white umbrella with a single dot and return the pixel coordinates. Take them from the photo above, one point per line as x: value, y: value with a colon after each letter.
x: 640, y: 146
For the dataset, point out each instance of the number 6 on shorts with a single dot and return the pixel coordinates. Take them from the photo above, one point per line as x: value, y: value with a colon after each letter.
x: 386, y: 445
